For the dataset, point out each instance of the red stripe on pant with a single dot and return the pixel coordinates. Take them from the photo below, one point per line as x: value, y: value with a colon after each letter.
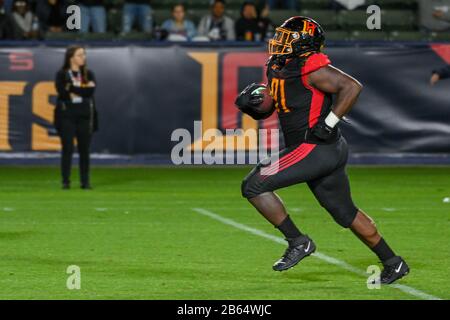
x: 289, y: 159
x: 284, y: 159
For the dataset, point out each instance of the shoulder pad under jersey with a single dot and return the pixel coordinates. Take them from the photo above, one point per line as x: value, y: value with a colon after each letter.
x: 315, y: 62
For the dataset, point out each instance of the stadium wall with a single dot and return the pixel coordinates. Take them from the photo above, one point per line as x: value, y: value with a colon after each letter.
x: 144, y: 93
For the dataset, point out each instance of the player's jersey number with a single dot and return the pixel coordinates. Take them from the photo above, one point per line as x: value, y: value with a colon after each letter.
x: 279, y: 96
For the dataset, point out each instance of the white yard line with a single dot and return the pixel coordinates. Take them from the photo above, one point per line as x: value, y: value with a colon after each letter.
x: 406, y: 289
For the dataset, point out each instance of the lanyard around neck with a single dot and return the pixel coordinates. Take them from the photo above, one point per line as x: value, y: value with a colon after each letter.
x: 78, y: 78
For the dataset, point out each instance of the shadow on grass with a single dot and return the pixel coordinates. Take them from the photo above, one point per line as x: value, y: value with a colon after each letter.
x: 314, y: 276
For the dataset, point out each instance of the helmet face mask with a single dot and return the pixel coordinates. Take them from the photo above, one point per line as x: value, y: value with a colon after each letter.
x: 296, y: 36
x: 282, y: 41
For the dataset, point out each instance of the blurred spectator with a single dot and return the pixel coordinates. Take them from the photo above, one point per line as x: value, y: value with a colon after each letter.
x: 25, y: 23
x: 51, y: 14
x: 440, y: 74
x: 93, y: 14
x: 265, y: 23
x: 347, y: 4
x: 247, y: 27
x: 178, y: 27
x: 5, y: 23
x: 282, y: 4
x: 434, y: 15
x: 139, y: 10
x: 216, y: 25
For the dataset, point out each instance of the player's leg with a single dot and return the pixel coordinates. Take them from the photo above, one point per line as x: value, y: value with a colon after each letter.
x: 67, y: 134
x: 365, y: 229
x: 271, y: 207
x: 333, y: 193
x: 394, y: 266
x: 258, y: 189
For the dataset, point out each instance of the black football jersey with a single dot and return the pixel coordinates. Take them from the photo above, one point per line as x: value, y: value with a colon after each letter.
x: 298, y: 104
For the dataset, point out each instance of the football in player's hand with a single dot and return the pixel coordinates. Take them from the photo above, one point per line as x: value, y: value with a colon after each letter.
x: 265, y: 100
x: 256, y: 101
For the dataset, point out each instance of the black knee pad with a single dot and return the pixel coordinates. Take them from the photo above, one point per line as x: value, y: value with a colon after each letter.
x: 244, y: 188
x: 343, y: 215
x: 248, y: 189
x: 345, y: 219
x: 251, y: 186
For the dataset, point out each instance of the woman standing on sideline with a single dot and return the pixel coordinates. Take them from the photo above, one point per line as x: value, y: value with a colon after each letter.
x: 75, y: 113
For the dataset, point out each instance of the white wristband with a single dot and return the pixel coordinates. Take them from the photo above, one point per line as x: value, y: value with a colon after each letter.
x: 331, y: 120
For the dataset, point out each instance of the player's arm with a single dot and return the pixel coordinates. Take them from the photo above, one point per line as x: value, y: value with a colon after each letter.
x: 334, y: 81
x: 346, y: 88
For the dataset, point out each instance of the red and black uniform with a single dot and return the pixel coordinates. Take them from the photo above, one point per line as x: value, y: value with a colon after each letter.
x: 305, y: 159
x: 299, y: 105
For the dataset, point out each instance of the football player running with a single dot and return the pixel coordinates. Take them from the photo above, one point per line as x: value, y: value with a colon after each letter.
x: 302, y: 81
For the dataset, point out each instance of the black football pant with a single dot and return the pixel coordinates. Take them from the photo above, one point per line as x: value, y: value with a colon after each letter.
x: 78, y: 127
x: 321, y: 166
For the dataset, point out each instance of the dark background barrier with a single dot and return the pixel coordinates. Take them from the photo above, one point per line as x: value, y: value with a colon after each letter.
x: 144, y: 93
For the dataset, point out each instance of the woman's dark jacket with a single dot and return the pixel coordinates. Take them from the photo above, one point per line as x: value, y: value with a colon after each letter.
x: 64, y: 105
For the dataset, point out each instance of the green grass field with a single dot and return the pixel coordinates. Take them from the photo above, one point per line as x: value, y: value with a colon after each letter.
x: 137, y: 236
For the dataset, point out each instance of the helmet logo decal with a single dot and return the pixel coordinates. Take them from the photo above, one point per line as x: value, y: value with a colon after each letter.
x: 309, y: 27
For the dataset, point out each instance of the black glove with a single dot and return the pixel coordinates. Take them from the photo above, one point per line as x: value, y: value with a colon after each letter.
x: 249, y: 100
x: 322, y: 131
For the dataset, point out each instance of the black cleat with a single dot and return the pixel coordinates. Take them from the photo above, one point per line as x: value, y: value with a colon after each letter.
x: 86, y: 186
x: 295, y: 253
x: 66, y: 186
x: 394, y: 269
